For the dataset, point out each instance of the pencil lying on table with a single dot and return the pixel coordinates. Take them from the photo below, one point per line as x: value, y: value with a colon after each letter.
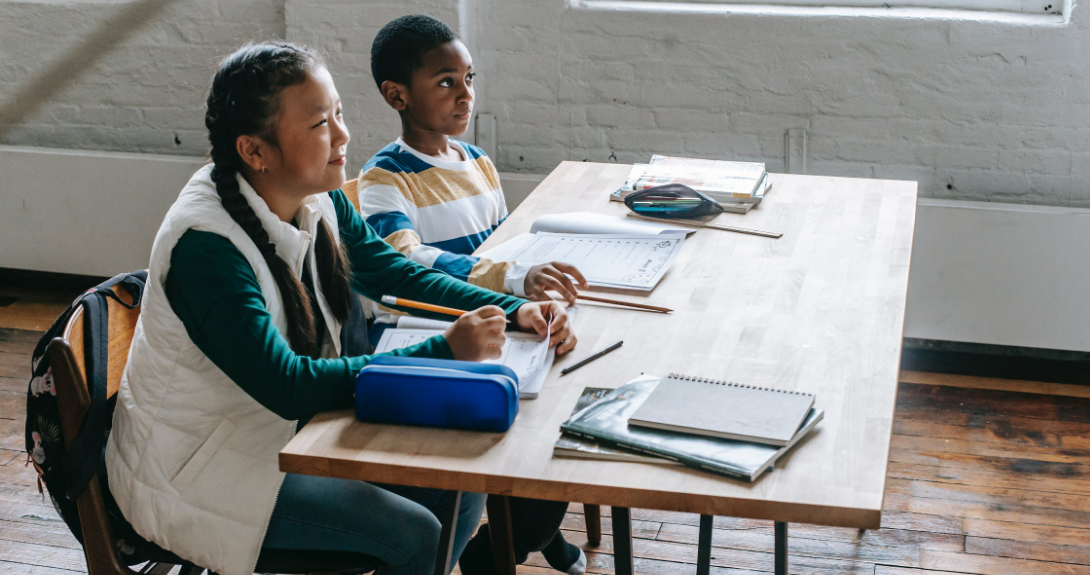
x: 393, y: 300
x: 624, y: 303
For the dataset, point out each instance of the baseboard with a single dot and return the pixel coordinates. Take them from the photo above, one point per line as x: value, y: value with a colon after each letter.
x: 31, y: 279
x: 996, y: 361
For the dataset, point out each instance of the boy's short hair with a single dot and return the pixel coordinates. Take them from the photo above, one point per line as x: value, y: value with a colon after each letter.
x: 399, y: 48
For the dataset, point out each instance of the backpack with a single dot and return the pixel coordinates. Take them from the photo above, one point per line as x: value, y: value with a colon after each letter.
x: 66, y: 469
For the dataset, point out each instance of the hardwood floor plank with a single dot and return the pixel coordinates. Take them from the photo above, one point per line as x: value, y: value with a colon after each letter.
x: 1020, y: 474
x: 21, y: 335
x: 20, y: 359
x: 640, y: 529
x: 603, y: 564
x: 731, y: 558
x: 15, y: 384
x: 44, y: 555
x: 887, y: 546
x: 1027, y: 532
x: 891, y: 570
x: 15, y: 371
x: 985, y: 565
x: 1076, y: 554
x: 936, y: 398
x: 26, y: 347
x: 50, y: 535
x: 893, y: 519
x: 12, y: 433
x: 1008, y: 430
x: 10, y: 568
x: 988, y: 449
x: 992, y: 383
x: 999, y: 511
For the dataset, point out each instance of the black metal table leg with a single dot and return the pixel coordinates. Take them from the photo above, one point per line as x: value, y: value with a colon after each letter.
x: 781, y: 548
x: 622, y: 540
x: 499, y: 527
x: 704, y: 546
x: 449, y: 520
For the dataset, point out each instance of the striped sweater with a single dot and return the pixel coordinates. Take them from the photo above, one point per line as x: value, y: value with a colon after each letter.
x: 438, y: 212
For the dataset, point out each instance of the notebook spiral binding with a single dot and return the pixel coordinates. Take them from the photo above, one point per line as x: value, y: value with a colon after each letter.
x: 721, y: 382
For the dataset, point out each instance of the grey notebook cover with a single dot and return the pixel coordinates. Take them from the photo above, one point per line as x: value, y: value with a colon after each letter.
x: 606, y: 422
x: 714, y: 408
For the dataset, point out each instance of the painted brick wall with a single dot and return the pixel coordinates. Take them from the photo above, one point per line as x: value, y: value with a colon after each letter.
x: 343, y: 30
x: 971, y: 110
x: 147, y: 95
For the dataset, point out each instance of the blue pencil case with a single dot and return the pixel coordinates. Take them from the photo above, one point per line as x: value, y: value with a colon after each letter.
x: 437, y: 393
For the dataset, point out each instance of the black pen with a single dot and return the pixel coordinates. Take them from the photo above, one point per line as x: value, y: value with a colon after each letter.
x: 572, y: 368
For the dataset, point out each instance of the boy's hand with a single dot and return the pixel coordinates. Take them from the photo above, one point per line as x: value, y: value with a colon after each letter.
x: 536, y: 317
x: 553, y: 276
x: 478, y: 335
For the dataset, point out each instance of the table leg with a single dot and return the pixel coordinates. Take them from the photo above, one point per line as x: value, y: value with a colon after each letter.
x: 448, y: 519
x: 499, y: 527
x: 622, y: 540
x: 781, y: 548
x: 593, y: 516
x: 704, y: 546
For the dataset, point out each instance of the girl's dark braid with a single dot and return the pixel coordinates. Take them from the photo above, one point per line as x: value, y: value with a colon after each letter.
x: 242, y: 101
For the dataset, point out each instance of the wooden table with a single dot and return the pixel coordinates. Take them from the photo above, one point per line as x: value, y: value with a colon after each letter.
x: 819, y: 310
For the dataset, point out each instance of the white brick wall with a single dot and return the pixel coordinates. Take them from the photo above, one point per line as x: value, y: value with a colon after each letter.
x: 970, y: 109
x: 343, y: 31
x: 147, y: 95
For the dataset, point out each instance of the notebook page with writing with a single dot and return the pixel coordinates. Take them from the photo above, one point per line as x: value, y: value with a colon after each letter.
x: 526, y: 353
x: 723, y: 409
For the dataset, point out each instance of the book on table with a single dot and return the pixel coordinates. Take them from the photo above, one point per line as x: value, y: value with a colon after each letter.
x: 606, y: 422
x: 724, y: 409
x: 579, y: 448
x: 737, y: 186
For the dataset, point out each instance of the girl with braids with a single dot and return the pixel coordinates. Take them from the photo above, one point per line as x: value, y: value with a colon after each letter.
x: 239, y: 339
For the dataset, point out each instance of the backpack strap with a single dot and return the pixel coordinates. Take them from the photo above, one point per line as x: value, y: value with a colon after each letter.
x: 83, y: 459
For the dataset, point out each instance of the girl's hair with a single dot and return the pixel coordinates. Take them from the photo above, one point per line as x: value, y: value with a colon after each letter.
x: 244, y: 100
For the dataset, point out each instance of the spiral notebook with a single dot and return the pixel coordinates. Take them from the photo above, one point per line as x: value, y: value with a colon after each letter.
x: 723, y: 409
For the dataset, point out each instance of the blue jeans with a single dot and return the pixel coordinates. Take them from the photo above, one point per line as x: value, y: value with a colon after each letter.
x: 393, y: 523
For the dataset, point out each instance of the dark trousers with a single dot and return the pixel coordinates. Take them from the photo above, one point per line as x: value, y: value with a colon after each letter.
x: 534, y: 524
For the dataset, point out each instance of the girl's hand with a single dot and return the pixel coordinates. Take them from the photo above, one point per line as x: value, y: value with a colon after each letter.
x: 536, y: 316
x: 553, y: 276
x: 478, y: 335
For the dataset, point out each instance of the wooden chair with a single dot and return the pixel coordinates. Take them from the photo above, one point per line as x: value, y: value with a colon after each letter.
x: 67, y: 358
x: 591, y: 513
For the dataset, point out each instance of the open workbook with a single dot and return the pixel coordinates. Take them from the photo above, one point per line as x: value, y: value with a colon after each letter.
x: 605, y: 248
x: 527, y: 354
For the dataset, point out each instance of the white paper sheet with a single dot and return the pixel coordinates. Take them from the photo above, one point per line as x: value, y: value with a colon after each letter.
x: 629, y: 261
x: 527, y: 354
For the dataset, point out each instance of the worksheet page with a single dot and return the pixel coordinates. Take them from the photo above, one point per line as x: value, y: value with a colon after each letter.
x: 629, y: 261
x: 527, y: 354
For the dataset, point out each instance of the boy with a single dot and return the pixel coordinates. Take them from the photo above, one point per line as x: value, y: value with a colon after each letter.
x: 436, y: 200
x: 430, y: 197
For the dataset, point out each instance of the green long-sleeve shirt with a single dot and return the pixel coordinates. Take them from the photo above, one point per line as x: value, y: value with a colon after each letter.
x: 214, y: 291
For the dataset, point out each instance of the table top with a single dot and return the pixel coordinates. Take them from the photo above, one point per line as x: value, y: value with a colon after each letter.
x: 819, y: 310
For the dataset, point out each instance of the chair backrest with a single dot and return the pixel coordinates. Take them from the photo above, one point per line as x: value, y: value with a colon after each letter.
x: 66, y: 356
x: 350, y: 189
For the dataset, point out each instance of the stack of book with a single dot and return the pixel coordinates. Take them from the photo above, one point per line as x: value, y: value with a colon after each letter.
x: 726, y: 428
x: 737, y: 186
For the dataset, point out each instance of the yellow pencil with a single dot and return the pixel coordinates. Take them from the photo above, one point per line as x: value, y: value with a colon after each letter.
x: 393, y: 300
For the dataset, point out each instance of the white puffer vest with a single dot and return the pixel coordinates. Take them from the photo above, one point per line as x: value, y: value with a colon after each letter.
x: 192, y: 458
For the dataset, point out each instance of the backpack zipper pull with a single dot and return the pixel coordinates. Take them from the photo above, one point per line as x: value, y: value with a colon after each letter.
x: 41, y: 490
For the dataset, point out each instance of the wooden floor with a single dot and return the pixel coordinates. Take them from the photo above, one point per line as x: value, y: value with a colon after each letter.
x: 983, y: 481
